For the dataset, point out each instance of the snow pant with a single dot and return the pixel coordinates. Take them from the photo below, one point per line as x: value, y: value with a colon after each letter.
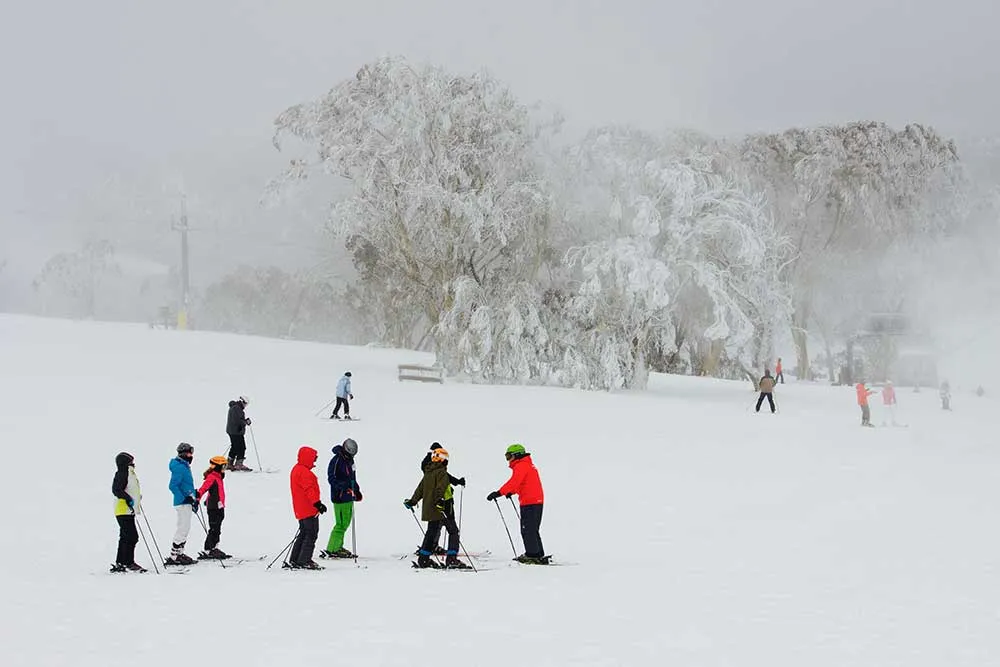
x: 946, y: 402
x: 434, y: 532
x: 237, y: 446
x: 342, y: 401
x: 770, y: 400
x: 780, y: 377
x: 343, y: 513
x: 183, y: 528
x: 866, y: 415
x: 128, y: 537
x: 215, y: 518
x: 531, y: 522
x: 305, y: 542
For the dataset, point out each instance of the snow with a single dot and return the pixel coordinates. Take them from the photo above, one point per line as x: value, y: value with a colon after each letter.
x: 696, y: 532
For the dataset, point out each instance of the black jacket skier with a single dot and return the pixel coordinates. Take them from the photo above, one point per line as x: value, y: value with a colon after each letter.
x: 236, y: 428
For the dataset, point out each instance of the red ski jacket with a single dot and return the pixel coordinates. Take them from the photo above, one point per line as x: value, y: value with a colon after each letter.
x: 215, y: 489
x: 524, y: 481
x: 305, y: 486
x: 889, y: 395
x: 863, y: 393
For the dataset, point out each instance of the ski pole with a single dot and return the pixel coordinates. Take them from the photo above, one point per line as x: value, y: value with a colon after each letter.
x: 282, y: 552
x: 461, y: 497
x: 515, y: 508
x: 354, y: 534
x: 512, y: 547
x: 329, y: 403
x: 421, y: 528
x: 153, y: 537
x: 143, y: 534
x: 205, y: 528
x: 253, y: 439
x: 467, y: 556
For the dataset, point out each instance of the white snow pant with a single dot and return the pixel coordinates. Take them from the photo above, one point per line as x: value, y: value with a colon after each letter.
x: 183, y: 528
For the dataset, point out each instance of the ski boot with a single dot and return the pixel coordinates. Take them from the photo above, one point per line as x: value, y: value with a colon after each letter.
x: 533, y: 560
x: 335, y: 416
x: 438, y: 551
x: 135, y: 567
x: 311, y: 565
x: 242, y: 467
x: 117, y: 568
x: 347, y: 417
x: 229, y: 465
x: 424, y: 561
x: 213, y: 554
x: 180, y: 559
x: 342, y: 553
x: 289, y: 565
x: 452, y: 563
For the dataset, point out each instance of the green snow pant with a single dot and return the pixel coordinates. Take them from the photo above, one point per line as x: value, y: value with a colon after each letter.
x: 343, y: 513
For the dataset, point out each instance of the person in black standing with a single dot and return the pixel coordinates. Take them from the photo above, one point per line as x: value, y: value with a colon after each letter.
x: 236, y: 428
x: 766, y: 386
x: 125, y: 488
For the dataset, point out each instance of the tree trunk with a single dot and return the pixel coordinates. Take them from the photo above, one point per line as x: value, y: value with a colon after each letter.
x: 800, y: 336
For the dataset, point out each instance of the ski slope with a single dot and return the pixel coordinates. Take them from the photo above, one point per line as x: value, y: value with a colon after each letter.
x: 694, y: 532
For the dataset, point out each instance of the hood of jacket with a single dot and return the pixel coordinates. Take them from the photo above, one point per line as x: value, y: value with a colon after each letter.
x: 232, y: 403
x: 338, y: 450
x: 123, y: 460
x: 308, y: 456
x: 515, y: 462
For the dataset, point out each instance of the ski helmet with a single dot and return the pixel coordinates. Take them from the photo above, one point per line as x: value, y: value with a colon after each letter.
x: 435, y: 445
x: 244, y: 400
x: 185, y: 448
x: 347, y: 374
x: 350, y: 447
x: 218, y: 460
x: 439, y: 455
x: 515, y: 450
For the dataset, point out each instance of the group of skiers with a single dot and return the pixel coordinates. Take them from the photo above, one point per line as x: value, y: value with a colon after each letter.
x: 435, y: 491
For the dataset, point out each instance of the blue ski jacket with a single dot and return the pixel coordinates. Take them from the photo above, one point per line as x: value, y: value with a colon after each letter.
x: 344, y: 387
x: 181, y: 481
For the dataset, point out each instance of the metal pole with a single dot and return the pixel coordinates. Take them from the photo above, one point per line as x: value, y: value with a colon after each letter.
x: 256, y: 453
x: 512, y: 547
x: 153, y: 537
x: 282, y: 552
x: 155, y: 568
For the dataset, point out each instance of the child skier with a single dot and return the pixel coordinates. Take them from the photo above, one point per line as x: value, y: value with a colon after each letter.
x: 343, y: 393
x: 945, y: 396
x: 525, y: 482
x: 125, y: 487
x: 863, y: 393
x: 185, y: 504
x: 449, y: 493
x: 236, y: 429
x: 344, y: 492
x: 215, y: 506
x: 432, y: 490
x: 307, y: 507
x: 889, y: 401
x: 766, y: 386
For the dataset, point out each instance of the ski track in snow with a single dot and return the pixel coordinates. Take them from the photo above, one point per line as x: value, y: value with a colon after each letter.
x: 699, y: 532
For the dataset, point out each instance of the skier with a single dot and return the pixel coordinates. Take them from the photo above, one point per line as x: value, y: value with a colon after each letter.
x: 525, y: 482
x: 344, y: 492
x: 185, y: 504
x: 449, y: 495
x: 766, y: 386
x: 343, y: 393
x: 236, y: 428
x: 125, y: 487
x: 778, y: 375
x: 431, y: 490
x: 889, y: 401
x: 215, y: 506
x: 863, y: 393
x: 945, y: 396
x: 307, y: 506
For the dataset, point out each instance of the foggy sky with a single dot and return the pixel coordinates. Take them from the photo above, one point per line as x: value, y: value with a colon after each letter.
x: 95, y: 87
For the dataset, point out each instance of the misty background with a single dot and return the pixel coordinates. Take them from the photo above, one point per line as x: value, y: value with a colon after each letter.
x: 120, y: 117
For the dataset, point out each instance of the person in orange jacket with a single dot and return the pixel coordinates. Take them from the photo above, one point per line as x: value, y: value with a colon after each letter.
x: 778, y: 375
x: 863, y: 394
x: 307, y: 506
x: 525, y: 482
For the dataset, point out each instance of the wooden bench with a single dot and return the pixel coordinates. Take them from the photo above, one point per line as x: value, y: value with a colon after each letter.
x: 421, y: 373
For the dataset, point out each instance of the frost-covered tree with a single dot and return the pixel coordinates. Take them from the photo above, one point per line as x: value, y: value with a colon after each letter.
x: 69, y: 282
x: 446, y: 202
x: 846, y: 190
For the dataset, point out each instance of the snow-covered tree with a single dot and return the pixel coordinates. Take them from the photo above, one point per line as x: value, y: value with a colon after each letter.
x: 445, y: 191
x: 70, y: 282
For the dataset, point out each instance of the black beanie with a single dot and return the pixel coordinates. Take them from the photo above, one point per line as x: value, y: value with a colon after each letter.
x: 436, y: 445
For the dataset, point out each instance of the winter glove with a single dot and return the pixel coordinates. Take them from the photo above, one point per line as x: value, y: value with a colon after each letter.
x: 130, y: 503
x: 197, y: 495
x: 320, y: 507
x: 248, y: 421
x: 461, y: 481
x: 357, y: 496
x: 509, y: 495
x: 352, y: 397
x: 408, y: 505
x: 194, y: 507
x: 493, y: 495
x: 190, y: 500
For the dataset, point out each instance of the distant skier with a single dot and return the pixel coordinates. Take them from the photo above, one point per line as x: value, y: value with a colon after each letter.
x: 449, y: 493
x: 863, y: 393
x: 344, y: 492
x: 125, y: 487
x: 185, y: 504
x: 215, y: 506
x: 889, y: 401
x: 437, y: 512
x: 236, y: 428
x: 307, y: 506
x: 343, y: 394
x: 945, y: 396
x: 778, y: 375
x: 526, y: 483
x: 766, y: 386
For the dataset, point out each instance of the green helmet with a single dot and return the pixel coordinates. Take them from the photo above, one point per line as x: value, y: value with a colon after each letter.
x: 516, y: 449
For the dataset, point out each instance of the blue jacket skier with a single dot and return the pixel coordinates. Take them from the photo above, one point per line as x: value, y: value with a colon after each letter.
x: 343, y: 394
x: 185, y: 504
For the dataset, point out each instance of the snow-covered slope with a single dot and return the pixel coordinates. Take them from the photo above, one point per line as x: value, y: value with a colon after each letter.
x: 694, y: 532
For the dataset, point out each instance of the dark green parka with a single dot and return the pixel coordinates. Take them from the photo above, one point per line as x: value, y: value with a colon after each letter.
x: 431, y: 491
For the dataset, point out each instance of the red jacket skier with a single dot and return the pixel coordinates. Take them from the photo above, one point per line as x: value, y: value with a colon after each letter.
x: 525, y: 482
x: 863, y: 393
x: 213, y: 492
x: 307, y: 506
